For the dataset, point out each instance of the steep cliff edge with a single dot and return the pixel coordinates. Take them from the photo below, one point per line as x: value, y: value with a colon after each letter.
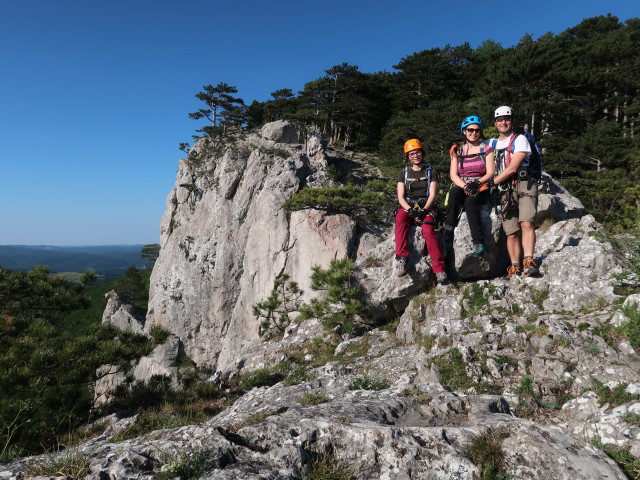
x: 225, y: 238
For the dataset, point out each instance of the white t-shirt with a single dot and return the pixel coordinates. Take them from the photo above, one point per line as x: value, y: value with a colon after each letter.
x: 520, y: 144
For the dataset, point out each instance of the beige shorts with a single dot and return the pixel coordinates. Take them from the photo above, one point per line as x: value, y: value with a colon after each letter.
x: 525, y: 196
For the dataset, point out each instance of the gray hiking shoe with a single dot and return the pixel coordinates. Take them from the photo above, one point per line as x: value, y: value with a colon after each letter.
x: 442, y: 279
x: 400, y: 266
x: 529, y: 267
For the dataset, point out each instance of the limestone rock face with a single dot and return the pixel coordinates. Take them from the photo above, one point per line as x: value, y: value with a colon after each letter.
x: 225, y: 238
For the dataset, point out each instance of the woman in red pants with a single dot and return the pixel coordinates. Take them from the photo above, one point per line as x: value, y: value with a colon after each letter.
x: 417, y: 187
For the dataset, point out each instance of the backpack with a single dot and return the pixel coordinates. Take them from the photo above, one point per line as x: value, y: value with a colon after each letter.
x: 535, y: 158
x: 408, y: 181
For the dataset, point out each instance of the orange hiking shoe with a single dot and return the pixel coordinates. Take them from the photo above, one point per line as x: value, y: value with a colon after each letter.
x: 529, y: 267
x: 513, y: 270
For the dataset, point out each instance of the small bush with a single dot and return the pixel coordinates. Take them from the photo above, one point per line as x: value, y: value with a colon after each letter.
x: 328, y: 467
x: 476, y: 301
x: 452, y: 369
x: 485, y: 450
x: 313, y: 398
x: 274, y: 313
x: 416, y: 394
x: 264, y: 377
x: 361, y: 202
x: 150, y: 420
x: 632, y: 418
x: 71, y: 463
x: 186, y: 464
x: 539, y: 296
x: 631, y: 329
x: 525, y: 389
x: 159, y: 334
x: 426, y: 341
x: 629, y: 464
x: 368, y: 383
x: 297, y: 376
x: 342, y: 307
x: 614, y: 396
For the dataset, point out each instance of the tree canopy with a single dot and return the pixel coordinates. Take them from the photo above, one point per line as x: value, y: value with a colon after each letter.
x: 577, y: 92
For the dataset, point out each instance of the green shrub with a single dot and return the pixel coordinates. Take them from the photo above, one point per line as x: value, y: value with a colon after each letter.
x: 485, y: 450
x: 263, y: 377
x: 313, y: 398
x: 629, y: 464
x: 297, y: 376
x: 342, y: 306
x: 476, y: 300
x: 186, y: 464
x: 274, y: 312
x: 328, y: 467
x: 159, y: 334
x: 614, y: 396
x: 426, y: 341
x: 631, y: 329
x: 361, y: 202
x: 368, y: 383
x: 539, y: 296
x: 633, y: 418
x: 152, y: 419
x: 525, y: 389
x: 72, y: 463
x: 452, y: 369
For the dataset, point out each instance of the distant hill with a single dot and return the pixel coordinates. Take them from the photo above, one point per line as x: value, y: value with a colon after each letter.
x: 107, y: 260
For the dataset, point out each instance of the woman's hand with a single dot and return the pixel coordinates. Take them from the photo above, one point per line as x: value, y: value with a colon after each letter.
x: 472, y: 188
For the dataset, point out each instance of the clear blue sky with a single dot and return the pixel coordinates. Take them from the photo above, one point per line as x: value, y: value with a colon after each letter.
x: 94, y: 95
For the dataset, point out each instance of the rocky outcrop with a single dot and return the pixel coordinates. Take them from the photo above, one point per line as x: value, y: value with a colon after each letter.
x: 408, y: 426
x: 225, y: 238
x: 527, y: 364
x: 122, y: 314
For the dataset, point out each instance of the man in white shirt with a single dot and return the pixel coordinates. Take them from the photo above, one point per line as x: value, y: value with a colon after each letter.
x: 519, y: 193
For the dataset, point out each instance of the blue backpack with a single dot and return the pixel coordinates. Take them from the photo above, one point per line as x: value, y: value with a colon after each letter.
x: 535, y: 159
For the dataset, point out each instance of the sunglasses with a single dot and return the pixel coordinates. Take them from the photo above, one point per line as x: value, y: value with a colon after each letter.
x: 473, y: 130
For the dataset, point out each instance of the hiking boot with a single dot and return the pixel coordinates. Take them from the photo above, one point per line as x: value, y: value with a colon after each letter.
x: 401, y: 266
x: 514, y: 270
x: 529, y: 267
x: 478, y: 248
x: 441, y: 278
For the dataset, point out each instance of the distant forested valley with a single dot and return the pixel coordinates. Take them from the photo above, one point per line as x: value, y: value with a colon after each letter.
x: 108, y: 261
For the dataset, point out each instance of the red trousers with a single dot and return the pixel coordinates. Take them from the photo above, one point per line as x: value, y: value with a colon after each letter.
x: 403, y: 222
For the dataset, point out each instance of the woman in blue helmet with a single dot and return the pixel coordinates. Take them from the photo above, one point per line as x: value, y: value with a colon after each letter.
x: 472, y: 166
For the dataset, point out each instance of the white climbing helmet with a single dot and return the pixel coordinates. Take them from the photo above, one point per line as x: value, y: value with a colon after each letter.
x: 503, y: 111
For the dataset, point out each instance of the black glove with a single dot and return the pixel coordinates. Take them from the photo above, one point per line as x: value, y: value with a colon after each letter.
x: 490, y: 183
x: 417, y: 213
x: 472, y: 187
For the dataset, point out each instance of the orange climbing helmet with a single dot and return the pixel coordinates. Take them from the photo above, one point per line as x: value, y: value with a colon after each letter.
x: 413, y: 144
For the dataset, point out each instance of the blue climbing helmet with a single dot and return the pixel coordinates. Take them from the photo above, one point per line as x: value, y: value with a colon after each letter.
x: 470, y: 120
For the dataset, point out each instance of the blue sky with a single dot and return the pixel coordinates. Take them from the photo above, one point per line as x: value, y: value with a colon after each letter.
x: 94, y: 95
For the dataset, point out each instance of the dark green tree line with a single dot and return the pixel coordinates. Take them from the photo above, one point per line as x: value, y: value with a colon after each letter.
x: 577, y: 92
